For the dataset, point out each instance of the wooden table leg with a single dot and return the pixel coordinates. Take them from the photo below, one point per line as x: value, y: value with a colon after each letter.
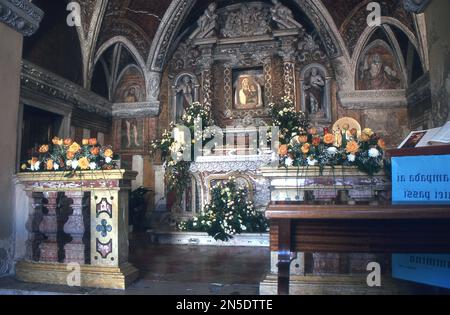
x: 284, y: 256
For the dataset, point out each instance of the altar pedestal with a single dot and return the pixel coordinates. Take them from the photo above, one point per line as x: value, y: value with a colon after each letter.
x: 325, y: 271
x: 102, y: 258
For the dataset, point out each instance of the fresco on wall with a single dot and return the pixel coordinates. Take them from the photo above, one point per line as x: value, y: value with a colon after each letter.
x: 378, y: 69
x: 132, y: 135
x: 131, y: 87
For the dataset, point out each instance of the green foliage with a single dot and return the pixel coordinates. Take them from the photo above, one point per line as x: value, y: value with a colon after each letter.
x: 290, y: 121
x: 227, y: 214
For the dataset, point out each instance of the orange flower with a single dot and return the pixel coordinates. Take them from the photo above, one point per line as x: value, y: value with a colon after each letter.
x: 381, y: 144
x: 70, y: 155
x: 328, y: 138
x: 68, y: 141
x: 43, y: 148
x: 312, y: 131
x: 57, y: 141
x: 305, y: 148
x: 109, y: 153
x: 303, y: 139
x: 49, y: 165
x: 316, y: 141
x: 92, y: 141
x: 74, y: 147
x: 282, y: 150
x: 83, y: 163
x: 85, y: 141
x: 352, y: 147
x: 95, y: 151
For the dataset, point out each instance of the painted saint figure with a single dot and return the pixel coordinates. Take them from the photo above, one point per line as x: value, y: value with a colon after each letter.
x: 376, y: 75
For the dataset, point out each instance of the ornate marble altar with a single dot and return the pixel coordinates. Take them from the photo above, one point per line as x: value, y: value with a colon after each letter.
x: 98, y: 236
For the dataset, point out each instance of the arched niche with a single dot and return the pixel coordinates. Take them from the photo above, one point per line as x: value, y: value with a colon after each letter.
x: 315, y: 89
x: 184, y: 91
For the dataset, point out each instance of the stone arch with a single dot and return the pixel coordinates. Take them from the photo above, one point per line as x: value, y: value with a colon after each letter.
x: 367, y: 34
x: 179, y: 9
x: 132, y: 50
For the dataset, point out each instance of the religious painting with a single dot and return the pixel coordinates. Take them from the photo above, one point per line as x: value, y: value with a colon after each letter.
x: 378, y: 68
x: 131, y: 86
x: 132, y: 134
x: 248, y: 85
x: 315, y: 89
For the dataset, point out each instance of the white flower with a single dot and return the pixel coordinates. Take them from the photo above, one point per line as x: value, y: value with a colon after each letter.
x: 108, y: 160
x: 37, y: 165
x: 92, y: 165
x: 56, y: 166
x: 351, y: 157
x: 74, y: 164
x: 374, y: 153
x: 332, y: 150
x: 312, y: 162
x: 289, y: 161
x: 69, y: 163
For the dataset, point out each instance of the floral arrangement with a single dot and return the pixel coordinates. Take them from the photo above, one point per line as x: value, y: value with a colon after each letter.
x: 366, y: 151
x: 290, y: 121
x: 227, y: 214
x: 68, y: 155
x: 176, y: 169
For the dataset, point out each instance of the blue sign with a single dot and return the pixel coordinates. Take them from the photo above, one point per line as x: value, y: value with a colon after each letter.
x: 431, y: 269
x: 421, y: 179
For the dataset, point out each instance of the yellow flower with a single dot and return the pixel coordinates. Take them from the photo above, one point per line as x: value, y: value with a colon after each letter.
x: 303, y: 139
x: 305, y: 148
x: 364, y: 137
x: 49, y: 165
x: 85, y: 141
x: 108, y: 153
x: 57, y: 141
x: 83, y: 163
x: 352, y: 147
x: 23, y: 167
x: 368, y: 132
x: 74, y: 147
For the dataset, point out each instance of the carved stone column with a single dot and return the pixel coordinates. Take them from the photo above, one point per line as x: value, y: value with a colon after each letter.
x: 206, y: 65
x: 75, y: 250
x: 35, y: 237
x: 49, y: 227
x: 288, y: 55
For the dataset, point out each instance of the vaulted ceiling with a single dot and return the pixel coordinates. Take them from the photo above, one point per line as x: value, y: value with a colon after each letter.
x: 138, y: 21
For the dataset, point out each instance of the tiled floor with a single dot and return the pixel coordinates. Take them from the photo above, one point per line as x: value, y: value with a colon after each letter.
x: 176, y: 270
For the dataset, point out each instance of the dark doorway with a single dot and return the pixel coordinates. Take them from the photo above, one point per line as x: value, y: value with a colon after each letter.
x: 38, y: 127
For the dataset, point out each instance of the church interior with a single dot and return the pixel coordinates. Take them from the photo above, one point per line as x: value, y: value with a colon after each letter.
x: 315, y: 180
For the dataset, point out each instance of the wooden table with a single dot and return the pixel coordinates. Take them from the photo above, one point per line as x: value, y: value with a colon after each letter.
x: 359, y: 229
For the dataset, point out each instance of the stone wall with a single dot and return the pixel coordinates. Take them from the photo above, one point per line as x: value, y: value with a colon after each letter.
x: 10, y: 58
x: 438, y: 36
